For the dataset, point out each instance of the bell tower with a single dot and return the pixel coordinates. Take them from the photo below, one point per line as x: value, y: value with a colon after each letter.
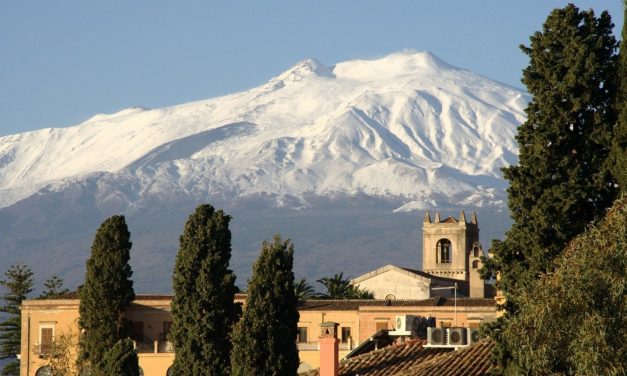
x: 447, y: 245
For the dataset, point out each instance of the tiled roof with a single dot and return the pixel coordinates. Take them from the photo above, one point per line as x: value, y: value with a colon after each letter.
x: 67, y: 296
x: 467, y: 302
x: 427, y: 275
x: 387, y: 361
x: 339, y: 305
x: 74, y: 295
x: 473, y: 360
x: 354, y: 305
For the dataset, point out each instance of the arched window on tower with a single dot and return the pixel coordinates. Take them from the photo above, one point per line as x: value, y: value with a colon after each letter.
x: 443, y: 251
x: 475, y: 264
x: 476, y: 251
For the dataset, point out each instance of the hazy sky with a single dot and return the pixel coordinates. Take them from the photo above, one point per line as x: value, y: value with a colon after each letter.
x: 62, y: 62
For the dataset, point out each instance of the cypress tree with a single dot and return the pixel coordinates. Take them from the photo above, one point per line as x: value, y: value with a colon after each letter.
x: 18, y: 283
x: 121, y: 359
x: 563, y: 179
x: 619, y: 150
x: 264, y: 340
x: 203, y: 307
x: 107, y: 291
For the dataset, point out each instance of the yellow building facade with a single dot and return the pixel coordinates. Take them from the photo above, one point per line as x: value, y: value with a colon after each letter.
x: 49, y: 321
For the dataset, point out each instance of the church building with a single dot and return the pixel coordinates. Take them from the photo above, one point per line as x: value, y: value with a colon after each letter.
x: 451, y: 255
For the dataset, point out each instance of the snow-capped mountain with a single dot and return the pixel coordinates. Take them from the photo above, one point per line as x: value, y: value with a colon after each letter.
x: 407, y: 129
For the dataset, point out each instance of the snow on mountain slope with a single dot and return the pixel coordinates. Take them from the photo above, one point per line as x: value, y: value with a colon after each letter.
x: 407, y: 125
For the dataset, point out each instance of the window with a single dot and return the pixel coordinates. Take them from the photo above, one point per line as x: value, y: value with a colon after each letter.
x: 475, y: 251
x: 390, y: 297
x: 443, y: 251
x: 346, y: 333
x: 46, y: 337
x: 137, y: 331
x: 475, y: 264
x: 381, y: 325
x: 167, y: 325
x: 302, y: 334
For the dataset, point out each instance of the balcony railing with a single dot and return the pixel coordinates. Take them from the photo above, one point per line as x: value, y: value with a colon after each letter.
x: 313, y: 346
x: 153, y: 347
x: 43, y: 349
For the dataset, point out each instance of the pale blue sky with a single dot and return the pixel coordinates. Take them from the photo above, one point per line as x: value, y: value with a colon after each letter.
x: 63, y: 61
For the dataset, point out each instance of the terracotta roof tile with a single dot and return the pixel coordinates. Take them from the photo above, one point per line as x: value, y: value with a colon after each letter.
x: 339, y: 305
x: 467, y: 302
x: 74, y: 295
x: 387, y: 361
x: 473, y: 360
x: 354, y: 305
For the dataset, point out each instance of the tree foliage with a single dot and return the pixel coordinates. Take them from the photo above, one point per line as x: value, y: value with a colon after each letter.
x: 563, y: 180
x: 572, y: 321
x: 304, y: 290
x: 121, y: 359
x: 107, y: 291
x: 64, y: 360
x: 338, y: 287
x: 53, y: 288
x: 264, y: 340
x: 203, y: 306
x: 619, y: 148
x: 17, y: 283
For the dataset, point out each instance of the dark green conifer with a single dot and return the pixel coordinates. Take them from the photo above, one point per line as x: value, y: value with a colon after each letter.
x: 121, y: 359
x: 563, y: 180
x: 107, y: 291
x: 53, y: 287
x: 264, y: 340
x: 18, y: 283
x: 203, y: 306
x: 619, y: 149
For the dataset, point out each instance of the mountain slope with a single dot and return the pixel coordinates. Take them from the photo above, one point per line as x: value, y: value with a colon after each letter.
x: 358, y: 141
x: 406, y: 125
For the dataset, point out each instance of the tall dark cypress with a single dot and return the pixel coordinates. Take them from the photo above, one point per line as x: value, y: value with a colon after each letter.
x: 563, y: 180
x: 121, y: 359
x: 107, y: 291
x: 203, y: 306
x: 264, y: 340
x: 619, y: 149
x: 18, y: 283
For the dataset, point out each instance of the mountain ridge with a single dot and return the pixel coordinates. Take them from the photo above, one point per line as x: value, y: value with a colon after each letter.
x: 338, y: 158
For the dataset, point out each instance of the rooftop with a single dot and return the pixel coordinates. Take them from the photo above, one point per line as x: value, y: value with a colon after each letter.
x: 413, y: 359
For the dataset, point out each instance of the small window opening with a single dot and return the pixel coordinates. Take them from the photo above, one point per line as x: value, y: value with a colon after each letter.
x: 443, y: 251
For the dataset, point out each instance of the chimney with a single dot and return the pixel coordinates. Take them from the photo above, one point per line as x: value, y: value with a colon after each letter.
x: 329, y: 349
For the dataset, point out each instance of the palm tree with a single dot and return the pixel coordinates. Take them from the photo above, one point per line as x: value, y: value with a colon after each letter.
x: 303, y: 289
